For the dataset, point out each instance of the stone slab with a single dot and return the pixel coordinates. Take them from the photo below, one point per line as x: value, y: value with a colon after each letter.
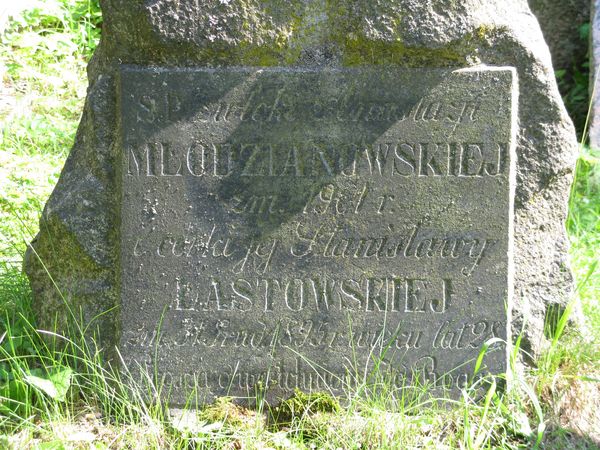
x: 281, y: 227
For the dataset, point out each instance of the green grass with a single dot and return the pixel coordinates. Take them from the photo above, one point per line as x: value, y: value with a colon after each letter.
x: 54, y: 397
x: 42, y: 65
x: 583, y: 225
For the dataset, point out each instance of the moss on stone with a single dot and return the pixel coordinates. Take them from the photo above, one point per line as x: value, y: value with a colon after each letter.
x: 361, y: 52
x: 225, y: 411
x: 301, y: 404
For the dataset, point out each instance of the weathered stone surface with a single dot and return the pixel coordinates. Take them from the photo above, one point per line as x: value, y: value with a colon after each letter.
x: 79, y: 237
x: 278, y: 220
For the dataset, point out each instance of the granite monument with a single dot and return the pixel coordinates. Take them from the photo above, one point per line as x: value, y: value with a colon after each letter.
x: 264, y: 195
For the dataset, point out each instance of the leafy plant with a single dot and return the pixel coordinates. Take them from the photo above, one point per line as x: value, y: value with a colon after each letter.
x: 54, y: 382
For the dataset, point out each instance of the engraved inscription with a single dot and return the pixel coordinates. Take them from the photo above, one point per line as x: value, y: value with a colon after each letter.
x: 311, y: 334
x: 169, y: 106
x: 284, y: 228
x: 389, y: 159
x: 306, y: 242
x: 415, y: 295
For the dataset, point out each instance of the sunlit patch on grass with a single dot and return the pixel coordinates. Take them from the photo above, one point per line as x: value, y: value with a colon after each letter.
x: 584, y: 230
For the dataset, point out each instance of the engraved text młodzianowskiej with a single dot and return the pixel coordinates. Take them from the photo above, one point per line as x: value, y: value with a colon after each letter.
x: 282, y: 228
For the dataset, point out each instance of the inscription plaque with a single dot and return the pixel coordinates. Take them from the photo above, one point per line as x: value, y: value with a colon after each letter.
x: 284, y: 228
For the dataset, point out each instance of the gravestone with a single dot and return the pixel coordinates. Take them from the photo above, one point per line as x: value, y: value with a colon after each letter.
x: 275, y: 221
x: 265, y: 194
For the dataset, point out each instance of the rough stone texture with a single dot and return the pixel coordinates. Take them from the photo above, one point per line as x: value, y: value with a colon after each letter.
x: 560, y: 21
x: 275, y: 216
x: 79, y: 241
